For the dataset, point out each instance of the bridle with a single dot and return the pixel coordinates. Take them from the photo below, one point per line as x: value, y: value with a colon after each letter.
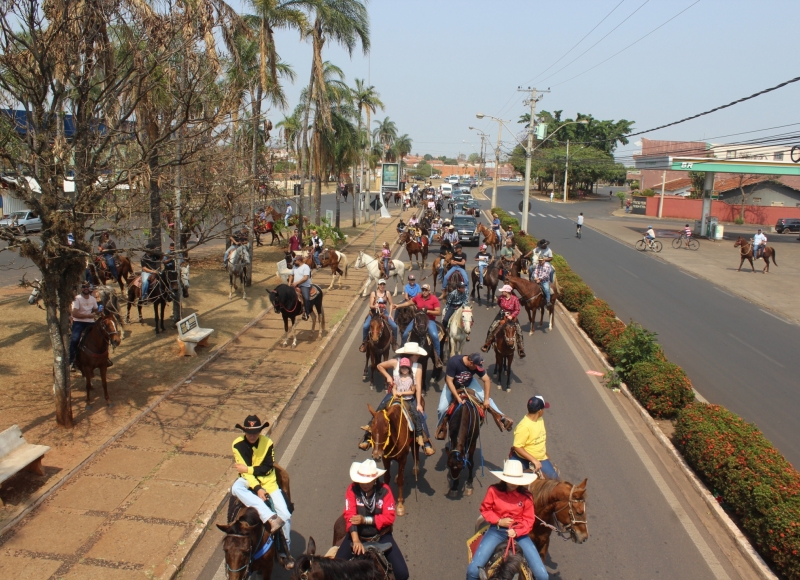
x: 250, y: 556
x: 107, y: 335
x: 567, y: 531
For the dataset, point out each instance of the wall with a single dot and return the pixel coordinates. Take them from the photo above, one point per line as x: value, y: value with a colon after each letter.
x: 690, y: 209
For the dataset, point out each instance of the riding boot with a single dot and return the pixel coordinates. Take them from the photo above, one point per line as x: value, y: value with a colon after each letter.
x: 441, y: 430
x: 437, y: 361
x: 489, y: 339
x: 363, y: 347
x: 365, y: 443
x: 427, y: 446
x: 520, y: 345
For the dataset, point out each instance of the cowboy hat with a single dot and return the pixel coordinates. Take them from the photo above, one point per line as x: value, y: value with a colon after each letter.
x: 252, y: 424
x: 365, y: 472
x: 411, y: 348
x: 513, y: 473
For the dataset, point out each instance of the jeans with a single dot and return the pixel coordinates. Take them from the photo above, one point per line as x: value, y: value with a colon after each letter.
x: 546, y: 289
x: 306, y: 292
x: 228, y: 252
x: 494, y: 537
x: 112, y: 267
x: 77, y: 329
x: 419, y: 419
x: 394, y: 555
x: 286, y: 220
x: 386, y: 266
x: 454, y: 269
x: 481, y: 267
x: 241, y: 490
x: 547, y: 466
x: 316, y: 257
x: 145, y: 284
x: 447, y: 397
x: 365, y: 328
x: 759, y: 251
x: 433, y: 332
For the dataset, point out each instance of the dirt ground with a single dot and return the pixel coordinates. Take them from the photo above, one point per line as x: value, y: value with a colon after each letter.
x: 145, y: 366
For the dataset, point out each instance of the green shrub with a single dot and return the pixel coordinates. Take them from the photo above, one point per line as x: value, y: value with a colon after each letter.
x: 777, y: 536
x: 595, y: 318
x: 738, y: 221
x: 660, y: 386
x: 574, y: 293
x: 634, y: 345
x: 648, y: 192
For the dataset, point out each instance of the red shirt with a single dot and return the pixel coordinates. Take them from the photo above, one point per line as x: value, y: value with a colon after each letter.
x: 431, y: 303
x: 294, y: 244
x: 517, y: 505
x: 384, y: 507
x: 510, y: 304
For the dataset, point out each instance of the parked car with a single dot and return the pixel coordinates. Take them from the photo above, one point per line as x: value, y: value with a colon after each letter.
x: 787, y: 225
x: 466, y: 226
x: 453, y: 180
x: 472, y: 204
x: 25, y: 220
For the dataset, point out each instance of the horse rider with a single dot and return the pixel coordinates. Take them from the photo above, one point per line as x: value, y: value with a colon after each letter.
x: 543, y: 275
x: 436, y: 224
x: 460, y: 374
x: 509, y: 312
x: 316, y: 246
x: 411, y: 289
x: 238, y: 238
x: 508, y: 509
x: 386, y: 259
x: 301, y: 278
x: 759, y: 243
x: 458, y: 263
x: 369, y: 513
x: 430, y: 305
x: 401, y: 226
x: 455, y: 300
x: 288, y: 214
x: 509, y: 234
x: 84, y: 307
x: 542, y: 250
x: 254, y: 459
x: 483, y: 258
x: 380, y: 299
x: 507, y: 257
x: 405, y: 383
x: 107, y: 250
x: 451, y: 235
x: 151, y: 266
x: 530, y: 440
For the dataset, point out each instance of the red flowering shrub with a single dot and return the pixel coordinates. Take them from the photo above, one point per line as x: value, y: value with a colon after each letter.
x: 660, y: 386
x: 777, y: 537
x: 596, y: 318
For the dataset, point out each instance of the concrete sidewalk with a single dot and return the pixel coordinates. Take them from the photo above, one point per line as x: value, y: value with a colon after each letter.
x: 718, y: 262
x: 140, y: 505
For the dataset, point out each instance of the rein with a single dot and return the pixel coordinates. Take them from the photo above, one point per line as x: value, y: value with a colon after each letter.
x: 250, y: 556
x: 567, y: 531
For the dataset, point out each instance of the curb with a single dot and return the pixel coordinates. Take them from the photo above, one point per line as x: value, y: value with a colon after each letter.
x: 742, y: 543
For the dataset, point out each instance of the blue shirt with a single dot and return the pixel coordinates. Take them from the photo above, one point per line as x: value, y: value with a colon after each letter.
x: 412, y: 291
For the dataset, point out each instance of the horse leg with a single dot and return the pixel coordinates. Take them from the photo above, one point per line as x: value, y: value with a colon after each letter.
x: 508, y: 371
x: 163, y: 307
x: 155, y: 315
x: 366, y: 365
x: 87, y: 374
x: 552, y: 312
x: 103, y: 372
x: 243, y: 280
x: 470, y: 472
x: 400, y: 510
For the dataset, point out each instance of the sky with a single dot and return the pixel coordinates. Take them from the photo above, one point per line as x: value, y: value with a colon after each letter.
x: 436, y: 63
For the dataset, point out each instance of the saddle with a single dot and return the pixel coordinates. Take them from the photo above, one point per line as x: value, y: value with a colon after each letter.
x: 314, y: 291
x: 101, y: 262
x: 472, y: 397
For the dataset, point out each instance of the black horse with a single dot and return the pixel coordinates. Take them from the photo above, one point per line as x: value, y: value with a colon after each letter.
x: 285, y: 300
x: 464, y: 429
x: 419, y: 334
x: 158, y: 294
x: 491, y: 279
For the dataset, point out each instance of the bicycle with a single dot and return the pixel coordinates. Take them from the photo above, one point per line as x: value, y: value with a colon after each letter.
x: 691, y: 243
x: 654, y: 246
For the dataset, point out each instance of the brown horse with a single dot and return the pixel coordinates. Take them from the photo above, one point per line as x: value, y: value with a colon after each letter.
x: 262, y: 228
x: 379, y: 339
x: 93, y: 351
x: 489, y: 238
x: 464, y: 429
x: 365, y: 567
x: 157, y: 296
x: 532, y: 299
x: 103, y: 274
x: 447, y: 257
x: 415, y: 249
x: 746, y: 253
x: 392, y: 440
x: 491, y: 279
x: 332, y: 259
x: 561, y: 507
x: 452, y: 284
x: 505, y: 341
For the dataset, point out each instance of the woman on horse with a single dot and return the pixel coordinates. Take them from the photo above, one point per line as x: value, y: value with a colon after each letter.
x: 386, y: 259
x: 508, y: 509
x: 107, y: 250
x: 509, y: 311
x: 369, y: 513
x: 380, y: 299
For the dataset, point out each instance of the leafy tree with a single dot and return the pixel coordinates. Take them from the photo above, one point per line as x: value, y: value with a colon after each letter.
x: 385, y: 134
x: 427, y: 157
x: 474, y: 158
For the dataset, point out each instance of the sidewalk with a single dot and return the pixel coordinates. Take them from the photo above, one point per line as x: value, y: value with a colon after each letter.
x: 139, y: 506
x: 718, y: 262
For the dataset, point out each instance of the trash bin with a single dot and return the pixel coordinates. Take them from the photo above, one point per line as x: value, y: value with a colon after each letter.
x: 698, y: 226
x: 718, y: 232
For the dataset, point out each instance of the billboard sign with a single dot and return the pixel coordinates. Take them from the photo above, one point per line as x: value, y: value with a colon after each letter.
x: 390, y: 176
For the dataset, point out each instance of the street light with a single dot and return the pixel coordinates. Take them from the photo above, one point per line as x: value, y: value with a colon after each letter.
x: 496, y: 153
x: 482, y: 166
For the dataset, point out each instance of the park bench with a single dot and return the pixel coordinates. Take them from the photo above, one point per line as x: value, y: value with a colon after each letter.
x: 191, y: 335
x: 17, y: 455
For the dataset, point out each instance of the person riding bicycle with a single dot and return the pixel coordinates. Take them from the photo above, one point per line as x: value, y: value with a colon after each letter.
x: 687, y: 232
x: 579, y: 224
x: 369, y: 513
x: 509, y: 313
x: 458, y: 263
x: 650, y: 235
x: 430, y: 305
x: 380, y: 299
x: 759, y: 243
x: 508, y: 509
x: 483, y: 258
x: 530, y: 440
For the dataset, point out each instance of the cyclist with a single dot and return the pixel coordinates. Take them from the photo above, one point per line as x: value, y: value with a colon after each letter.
x: 687, y: 232
x: 650, y: 235
x: 579, y: 225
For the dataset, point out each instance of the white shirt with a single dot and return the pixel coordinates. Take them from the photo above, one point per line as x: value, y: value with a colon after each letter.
x: 580, y: 220
x: 289, y: 210
x: 759, y: 239
x: 84, y: 307
x: 650, y: 233
x: 299, y: 272
x: 547, y: 252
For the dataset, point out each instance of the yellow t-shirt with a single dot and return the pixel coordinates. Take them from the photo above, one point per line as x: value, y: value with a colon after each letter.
x: 532, y: 437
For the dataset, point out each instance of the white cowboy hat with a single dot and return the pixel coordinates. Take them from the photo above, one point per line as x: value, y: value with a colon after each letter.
x: 512, y: 473
x: 506, y: 288
x: 366, y: 471
x: 412, y: 348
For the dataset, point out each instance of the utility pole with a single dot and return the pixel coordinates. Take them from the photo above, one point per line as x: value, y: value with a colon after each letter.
x: 528, y: 156
x: 496, y: 164
x: 566, y: 172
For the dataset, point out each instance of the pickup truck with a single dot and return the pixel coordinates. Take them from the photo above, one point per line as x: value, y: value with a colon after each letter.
x: 467, y: 228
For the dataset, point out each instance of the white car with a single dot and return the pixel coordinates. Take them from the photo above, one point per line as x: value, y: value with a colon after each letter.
x: 453, y: 180
x: 25, y: 220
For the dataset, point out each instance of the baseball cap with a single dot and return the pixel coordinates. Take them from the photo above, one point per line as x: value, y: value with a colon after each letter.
x: 381, y: 281
x: 426, y: 286
x: 405, y: 362
x: 411, y: 277
x: 477, y: 360
x: 537, y: 403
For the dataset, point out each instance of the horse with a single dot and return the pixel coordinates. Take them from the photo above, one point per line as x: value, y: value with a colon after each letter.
x: 746, y: 253
x: 564, y: 505
x: 459, y: 329
x: 489, y: 238
x: 158, y: 294
x: 397, y: 197
x: 368, y: 566
x: 505, y: 341
x: 330, y: 259
x: 512, y: 567
x: 237, y: 265
x: 374, y: 271
x: 285, y: 301
x: 124, y: 269
x: 379, y: 339
x: 464, y: 429
x: 491, y: 279
x: 93, y: 351
x: 452, y: 284
x: 447, y: 257
x: 392, y: 440
x: 532, y: 299
x: 419, y: 334
x: 260, y: 227
x: 415, y: 249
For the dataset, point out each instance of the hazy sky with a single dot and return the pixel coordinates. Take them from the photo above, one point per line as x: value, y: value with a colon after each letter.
x: 436, y: 63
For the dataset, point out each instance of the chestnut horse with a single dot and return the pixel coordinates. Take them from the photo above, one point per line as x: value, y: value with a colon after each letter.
x: 464, y: 429
x: 532, y: 299
x: 489, y: 238
x: 505, y: 341
x: 447, y: 257
x: 415, y: 249
x: 491, y: 279
x: 746, y: 253
x: 93, y: 351
x: 392, y: 440
x: 561, y: 507
x: 379, y: 339
x: 102, y: 273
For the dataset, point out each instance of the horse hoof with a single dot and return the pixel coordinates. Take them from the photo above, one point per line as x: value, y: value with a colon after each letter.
x: 468, y: 491
x: 400, y: 510
x: 109, y: 404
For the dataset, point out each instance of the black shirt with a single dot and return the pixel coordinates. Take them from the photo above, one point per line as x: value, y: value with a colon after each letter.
x: 458, y: 257
x: 151, y: 262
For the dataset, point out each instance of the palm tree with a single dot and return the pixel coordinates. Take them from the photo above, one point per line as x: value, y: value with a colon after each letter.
x: 366, y: 98
x: 403, y: 145
x: 385, y: 133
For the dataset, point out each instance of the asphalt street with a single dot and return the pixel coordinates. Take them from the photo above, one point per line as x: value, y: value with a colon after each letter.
x: 641, y: 524
x: 736, y: 354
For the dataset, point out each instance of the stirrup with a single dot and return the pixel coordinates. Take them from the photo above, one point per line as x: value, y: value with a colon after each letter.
x: 485, y: 347
x: 364, y: 445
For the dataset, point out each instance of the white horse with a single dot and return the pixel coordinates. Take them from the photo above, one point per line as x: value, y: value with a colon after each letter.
x: 374, y: 270
x: 459, y: 329
x: 238, y: 262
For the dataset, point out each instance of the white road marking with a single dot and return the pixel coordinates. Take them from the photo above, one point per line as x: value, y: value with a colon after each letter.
x: 685, y: 274
x: 774, y: 315
x: 509, y: 212
x: 551, y: 215
x: 562, y: 217
x: 723, y: 291
x: 755, y: 350
x: 628, y: 271
x: 541, y: 214
x: 688, y: 525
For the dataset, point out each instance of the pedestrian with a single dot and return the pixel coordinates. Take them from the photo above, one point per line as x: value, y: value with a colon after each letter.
x: 530, y: 440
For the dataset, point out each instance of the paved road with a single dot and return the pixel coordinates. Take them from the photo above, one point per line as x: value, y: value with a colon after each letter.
x: 635, y: 532
x: 736, y: 354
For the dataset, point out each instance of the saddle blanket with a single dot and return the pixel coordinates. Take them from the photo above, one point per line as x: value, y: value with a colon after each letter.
x: 451, y: 409
x: 314, y: 291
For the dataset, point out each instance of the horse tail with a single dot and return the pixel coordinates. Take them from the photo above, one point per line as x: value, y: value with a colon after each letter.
x: 774, y: 253
x: 343, y: 260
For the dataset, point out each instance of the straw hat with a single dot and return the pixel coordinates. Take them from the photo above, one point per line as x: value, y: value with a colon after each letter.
x: 513, y: 473
x: 366, y: 471
x: 411, y: 348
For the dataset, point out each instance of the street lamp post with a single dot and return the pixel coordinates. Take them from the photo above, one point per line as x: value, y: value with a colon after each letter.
x: 496, y: 153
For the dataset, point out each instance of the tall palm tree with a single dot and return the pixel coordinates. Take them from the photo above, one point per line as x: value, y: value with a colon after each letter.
x: 403, y: 145
x: 367, y: 99
x: 385, y: 133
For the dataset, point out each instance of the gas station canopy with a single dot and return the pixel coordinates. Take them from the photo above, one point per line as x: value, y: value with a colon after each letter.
x: 706, y: 164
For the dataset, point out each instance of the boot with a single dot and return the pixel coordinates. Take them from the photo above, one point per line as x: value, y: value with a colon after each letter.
x: 441, y: 430
x: 426, y: 445
x: 437, y: 361
x: 363, y: 347
x: 520, y: 345
x: 365, y: 443
x: 275, y: 524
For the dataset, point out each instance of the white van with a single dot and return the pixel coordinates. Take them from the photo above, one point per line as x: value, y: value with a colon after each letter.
x: 447, y: 190
x: 453, y: 179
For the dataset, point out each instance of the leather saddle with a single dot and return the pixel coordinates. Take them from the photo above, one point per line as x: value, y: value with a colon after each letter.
x: 471, y: 394
x: 314, y: 291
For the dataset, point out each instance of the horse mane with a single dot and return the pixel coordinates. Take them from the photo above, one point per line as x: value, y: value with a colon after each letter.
x: 285, y: 294
x: 512, y: 565
x: 250, y: 517
x: 543, y: 490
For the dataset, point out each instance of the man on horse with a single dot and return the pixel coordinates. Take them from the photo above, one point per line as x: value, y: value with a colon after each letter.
x: 411, y: 289
x: 530, y: 440
x: 507, y: 258
x: 455, y: 300
x: 238, y: 238
x: 451, y: 235
x: 542, y: 274
x: 151, y: 266
x: 458, y: 263
x: 430, y: 305
x: 445, y: 248
x: 288, y: 214
x: 107, y: 250
x: 483, y: 258
x: 301, y: 278
x: 496, y: 226
x: 759, y: 243
x: 460, y: 375
x: 84, y: 307
x: 316, y: 246
x: 254, y: 459
x: 509, y: 311
x: 380, y: 299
